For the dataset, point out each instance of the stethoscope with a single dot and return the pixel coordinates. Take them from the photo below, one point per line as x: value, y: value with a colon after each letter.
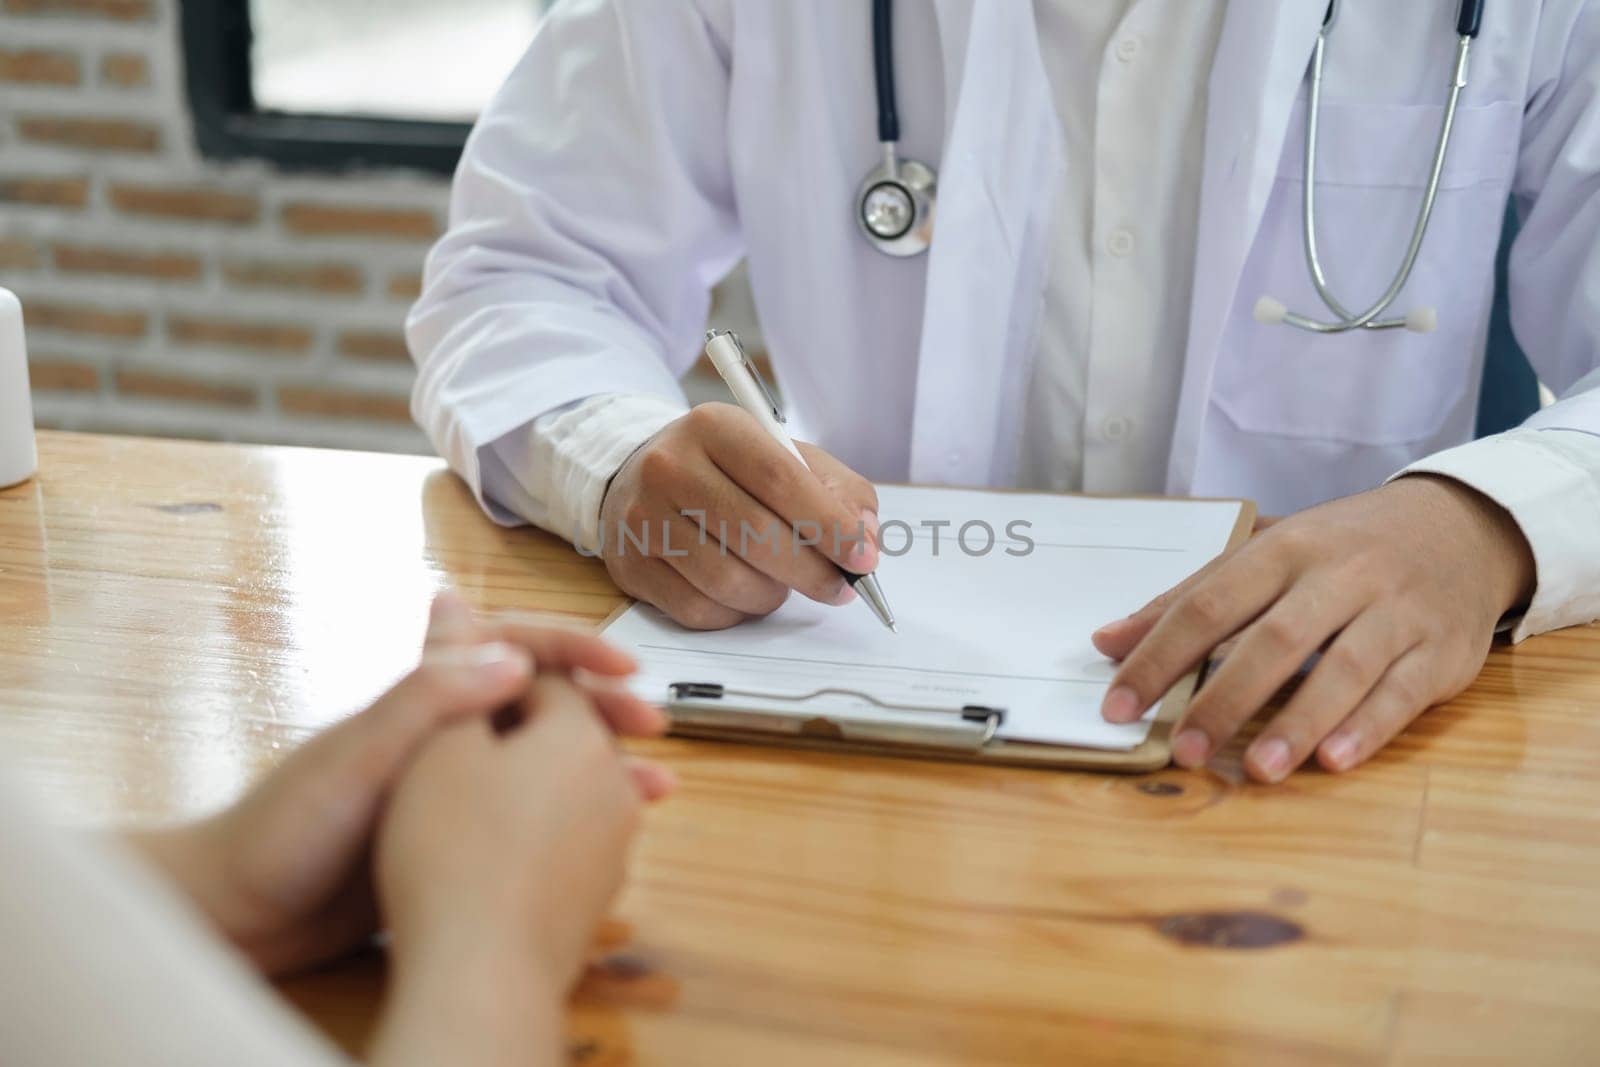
x: 895, y: 203
x: 1469, y: 19
x: 894, y: 206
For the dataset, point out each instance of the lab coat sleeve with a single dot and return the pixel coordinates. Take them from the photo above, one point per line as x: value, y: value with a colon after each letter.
x: 554, y: 472
x: 1549, y: 480
x: 591, y: 213
x: 1547, y: 472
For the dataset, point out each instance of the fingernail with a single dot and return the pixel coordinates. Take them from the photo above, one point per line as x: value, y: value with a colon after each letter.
x: 498, y: 658
x: 1109, y: 628
x: 1191, y: 748
x: 1121, y: 705
x: 844, y: 595
x: 863, y: 558
x: 493, y: 652
x: 869, y: 519
x: 600, y: 684
x: 1340, y: 750
x: 1272, y: 758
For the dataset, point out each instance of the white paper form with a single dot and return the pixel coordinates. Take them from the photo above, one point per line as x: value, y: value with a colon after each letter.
x: 1005, y: 628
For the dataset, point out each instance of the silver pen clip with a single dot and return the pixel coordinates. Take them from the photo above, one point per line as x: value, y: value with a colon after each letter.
x: 749, y: 365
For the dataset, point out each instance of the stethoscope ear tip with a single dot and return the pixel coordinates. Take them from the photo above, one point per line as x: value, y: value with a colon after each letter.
x: 1422, y: 320
x: 1270, y: 312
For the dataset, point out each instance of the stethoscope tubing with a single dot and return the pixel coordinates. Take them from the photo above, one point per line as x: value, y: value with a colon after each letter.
x: 1469, y: 21
x: 895, y: 202
x: 883, y: 70
x: 1369, y: 319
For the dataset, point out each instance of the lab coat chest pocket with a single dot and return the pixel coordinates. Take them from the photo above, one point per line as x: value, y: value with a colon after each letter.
x: 1372, y: 387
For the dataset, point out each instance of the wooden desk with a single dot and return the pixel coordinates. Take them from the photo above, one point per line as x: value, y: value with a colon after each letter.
x: 174, y: 616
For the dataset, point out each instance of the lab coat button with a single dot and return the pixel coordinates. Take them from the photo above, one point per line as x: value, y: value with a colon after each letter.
x: 1127, y: 48
x: 1121, y: 243
x: 1116, y: 428
x: 953, y: 459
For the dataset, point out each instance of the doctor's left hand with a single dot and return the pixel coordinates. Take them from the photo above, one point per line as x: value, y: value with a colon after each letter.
x: 1399, y: 588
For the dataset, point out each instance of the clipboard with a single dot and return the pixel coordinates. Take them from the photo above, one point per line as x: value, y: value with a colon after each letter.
x: 704, y: 707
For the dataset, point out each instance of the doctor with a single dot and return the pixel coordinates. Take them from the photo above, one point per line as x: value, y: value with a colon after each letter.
x: 1119, y: 184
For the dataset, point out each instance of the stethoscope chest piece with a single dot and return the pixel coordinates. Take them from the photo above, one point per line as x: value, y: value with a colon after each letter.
x: 895, y: 205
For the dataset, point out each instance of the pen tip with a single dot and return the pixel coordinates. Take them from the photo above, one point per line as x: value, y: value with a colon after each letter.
x: 893, y: 628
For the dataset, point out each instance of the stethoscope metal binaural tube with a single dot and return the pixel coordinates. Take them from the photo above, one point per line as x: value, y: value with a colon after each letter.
x: 1423, y: 320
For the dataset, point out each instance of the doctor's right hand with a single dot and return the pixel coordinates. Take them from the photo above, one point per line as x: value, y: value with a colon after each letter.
x: 713, y: 522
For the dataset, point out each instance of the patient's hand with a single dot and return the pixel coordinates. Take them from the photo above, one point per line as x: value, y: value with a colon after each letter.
x: 285, y: 873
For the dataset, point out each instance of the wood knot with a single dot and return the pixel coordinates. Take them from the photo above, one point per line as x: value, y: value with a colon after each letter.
x: 1156, y: 797
x: 624, y: 967
x: 191, y: 507
x: 626, y: 978
x: 1230, y: 929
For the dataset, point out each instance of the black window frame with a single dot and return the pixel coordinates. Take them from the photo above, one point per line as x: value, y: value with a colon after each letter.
x: 228, y: 125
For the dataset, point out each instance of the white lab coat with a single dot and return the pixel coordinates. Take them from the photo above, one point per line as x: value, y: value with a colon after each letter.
x: 643, y: 146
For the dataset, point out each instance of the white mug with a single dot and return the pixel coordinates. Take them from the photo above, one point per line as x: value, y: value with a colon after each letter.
x: 19, y: 457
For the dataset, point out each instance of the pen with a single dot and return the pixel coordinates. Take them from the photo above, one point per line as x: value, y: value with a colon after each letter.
x: 744, y: 381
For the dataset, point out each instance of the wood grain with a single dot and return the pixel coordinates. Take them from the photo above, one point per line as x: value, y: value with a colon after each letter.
x: 174, y: 616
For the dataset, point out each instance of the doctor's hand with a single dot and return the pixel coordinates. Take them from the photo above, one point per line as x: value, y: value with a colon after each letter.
x: 1400, y: 590
x: 714, y: 522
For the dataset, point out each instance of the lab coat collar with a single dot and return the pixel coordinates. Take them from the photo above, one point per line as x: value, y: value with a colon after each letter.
x: 1260, y: 64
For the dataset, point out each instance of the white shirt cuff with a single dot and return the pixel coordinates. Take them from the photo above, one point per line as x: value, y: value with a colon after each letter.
x: 553, y: 472
x: 1549, y: 481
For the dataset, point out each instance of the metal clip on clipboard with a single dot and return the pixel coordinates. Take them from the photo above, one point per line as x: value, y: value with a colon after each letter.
x: 709, y: 709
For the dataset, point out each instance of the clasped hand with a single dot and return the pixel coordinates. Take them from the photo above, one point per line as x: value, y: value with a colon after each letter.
x: 416, y: 811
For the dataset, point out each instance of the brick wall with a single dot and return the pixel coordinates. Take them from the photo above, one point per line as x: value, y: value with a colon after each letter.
x: 167, y: 294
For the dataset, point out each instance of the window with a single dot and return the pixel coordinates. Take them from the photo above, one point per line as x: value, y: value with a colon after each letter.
x: 342, y: 83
